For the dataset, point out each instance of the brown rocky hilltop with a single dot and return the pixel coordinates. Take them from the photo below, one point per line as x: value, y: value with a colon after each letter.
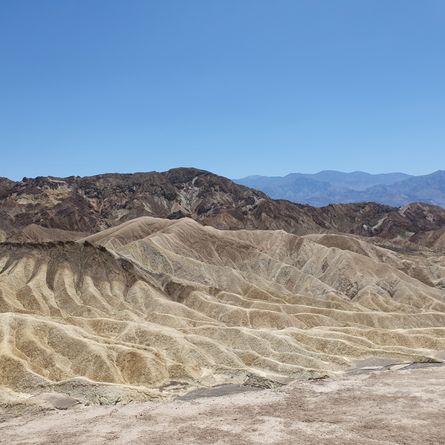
x: 75, y: 206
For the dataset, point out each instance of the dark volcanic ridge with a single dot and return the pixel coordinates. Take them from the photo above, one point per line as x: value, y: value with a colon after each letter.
x: 50, y: 208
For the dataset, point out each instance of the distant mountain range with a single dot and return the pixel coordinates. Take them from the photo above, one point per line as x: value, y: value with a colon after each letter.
x: 330, y: 187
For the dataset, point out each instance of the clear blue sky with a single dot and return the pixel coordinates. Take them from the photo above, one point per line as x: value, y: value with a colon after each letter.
x: 237, y: 87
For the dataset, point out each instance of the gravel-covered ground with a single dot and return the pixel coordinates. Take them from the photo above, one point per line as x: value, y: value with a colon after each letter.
x: 372, y: 406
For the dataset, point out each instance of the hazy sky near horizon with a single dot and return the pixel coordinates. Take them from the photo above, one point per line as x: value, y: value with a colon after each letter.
x: 237, y: 87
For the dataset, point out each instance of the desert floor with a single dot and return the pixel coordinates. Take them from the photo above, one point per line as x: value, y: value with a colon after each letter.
x: 369, y: 405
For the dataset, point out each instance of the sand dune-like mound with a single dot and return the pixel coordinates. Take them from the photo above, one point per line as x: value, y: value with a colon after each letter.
x: 154, y: 302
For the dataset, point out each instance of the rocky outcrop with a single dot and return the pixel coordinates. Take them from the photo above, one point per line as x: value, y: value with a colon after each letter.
x: 90, y: 204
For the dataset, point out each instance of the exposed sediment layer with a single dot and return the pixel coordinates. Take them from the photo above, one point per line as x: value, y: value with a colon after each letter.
x: 156, y: 301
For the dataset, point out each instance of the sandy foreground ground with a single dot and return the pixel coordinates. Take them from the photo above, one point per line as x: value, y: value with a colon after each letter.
x: 373, y: 406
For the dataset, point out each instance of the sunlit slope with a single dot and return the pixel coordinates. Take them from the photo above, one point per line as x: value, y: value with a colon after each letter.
x: 154, y: 301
